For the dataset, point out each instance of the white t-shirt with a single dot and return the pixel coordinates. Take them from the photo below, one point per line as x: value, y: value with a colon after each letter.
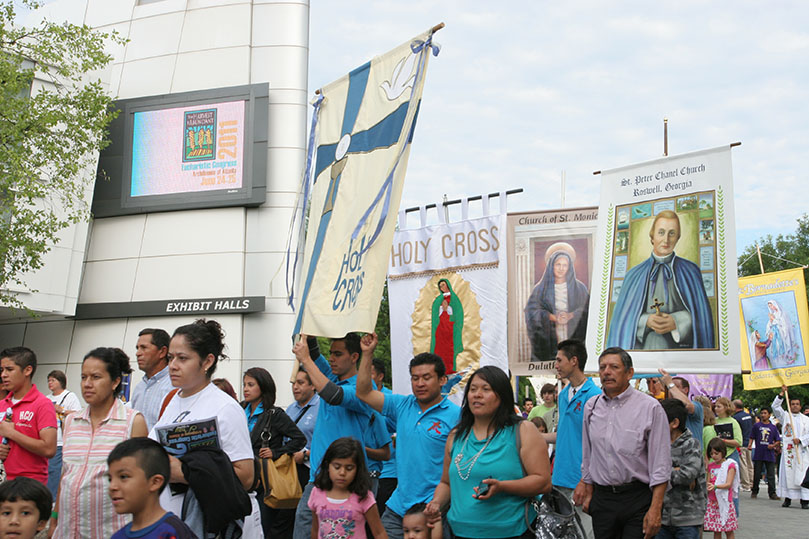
x: 69, y: 401
x: 234, y: 436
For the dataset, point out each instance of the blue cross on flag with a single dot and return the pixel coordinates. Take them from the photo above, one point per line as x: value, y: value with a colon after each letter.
x: 364, y: 126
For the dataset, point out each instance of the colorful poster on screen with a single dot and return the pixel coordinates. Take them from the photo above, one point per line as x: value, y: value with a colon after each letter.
x: 549, y: 284
x: 447, y: 294
x: 774, y: 326
x: 664, y: 287
x: 188, y: 149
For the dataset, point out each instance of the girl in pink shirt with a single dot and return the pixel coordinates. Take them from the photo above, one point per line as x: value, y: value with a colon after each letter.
x: 341, y: 500
x: 723, y: 482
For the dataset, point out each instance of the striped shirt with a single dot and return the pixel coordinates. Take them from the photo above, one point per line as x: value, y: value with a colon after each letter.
x: 148, y: 396
x: 85, y: 507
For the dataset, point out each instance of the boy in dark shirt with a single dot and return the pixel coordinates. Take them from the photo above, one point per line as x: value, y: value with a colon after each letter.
x: 139, y: 470
x: 766, y: 437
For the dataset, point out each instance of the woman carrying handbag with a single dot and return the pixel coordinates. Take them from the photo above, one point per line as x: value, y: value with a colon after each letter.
x: 272, y: 434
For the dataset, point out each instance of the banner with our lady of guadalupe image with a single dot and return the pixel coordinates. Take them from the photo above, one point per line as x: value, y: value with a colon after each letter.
x: 447, y: 296
x: 665, y: 285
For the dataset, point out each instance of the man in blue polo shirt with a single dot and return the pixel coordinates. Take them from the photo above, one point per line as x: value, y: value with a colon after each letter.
x: 341, y: 412
x: 423, y: 421
x: 571, y: 357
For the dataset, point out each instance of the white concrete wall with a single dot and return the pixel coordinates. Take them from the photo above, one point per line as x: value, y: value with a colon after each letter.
x: 178, y: 46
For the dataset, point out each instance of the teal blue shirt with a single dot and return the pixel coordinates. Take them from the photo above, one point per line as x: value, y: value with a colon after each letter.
x: 567, y: 467
x: 420, y: 440
x: 350, y: 418
x: 502, y: 515
x: 252, y: 418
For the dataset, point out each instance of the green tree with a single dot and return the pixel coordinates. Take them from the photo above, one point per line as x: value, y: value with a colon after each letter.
x: 383, y: 333
x: 785, y: 251
x: 782, y: 252
x: 755, y: 399
x: 53, y: 120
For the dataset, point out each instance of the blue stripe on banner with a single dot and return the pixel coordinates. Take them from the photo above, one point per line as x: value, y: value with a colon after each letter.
x: 325, y: 157
x: 301, y: 220
x: 310, y: 274
x: 384, y: 134
x: 357, y: 81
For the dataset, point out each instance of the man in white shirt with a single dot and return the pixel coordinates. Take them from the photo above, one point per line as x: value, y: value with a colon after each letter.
x: 151, y: 351
x: 795, y: 449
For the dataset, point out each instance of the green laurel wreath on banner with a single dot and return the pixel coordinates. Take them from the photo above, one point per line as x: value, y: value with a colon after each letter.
x: 605, y: 274
x: 723, y: 280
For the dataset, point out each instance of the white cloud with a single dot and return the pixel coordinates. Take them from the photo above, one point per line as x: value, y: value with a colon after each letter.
x: 521, y: 92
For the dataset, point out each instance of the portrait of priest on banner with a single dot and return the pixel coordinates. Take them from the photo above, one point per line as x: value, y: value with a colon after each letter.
x: 662, y: 302
x: 557, y: 307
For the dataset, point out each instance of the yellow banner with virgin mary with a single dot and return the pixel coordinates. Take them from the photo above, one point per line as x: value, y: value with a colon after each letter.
x: 774, y: 326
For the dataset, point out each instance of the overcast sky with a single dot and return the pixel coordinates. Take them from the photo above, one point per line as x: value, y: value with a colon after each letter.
x: 525, y: 90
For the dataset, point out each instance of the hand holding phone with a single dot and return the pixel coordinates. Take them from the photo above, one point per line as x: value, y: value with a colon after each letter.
x: 482, y: 488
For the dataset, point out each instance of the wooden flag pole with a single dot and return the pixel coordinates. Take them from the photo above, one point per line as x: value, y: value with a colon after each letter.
x: 792, y: 423
x: 296, y: 366
x: 760, y: 263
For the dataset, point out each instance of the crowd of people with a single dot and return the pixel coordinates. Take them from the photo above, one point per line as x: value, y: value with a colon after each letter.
x: 184, y: 458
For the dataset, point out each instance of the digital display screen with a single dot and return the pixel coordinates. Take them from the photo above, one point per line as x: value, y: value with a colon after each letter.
x: 188, y: 149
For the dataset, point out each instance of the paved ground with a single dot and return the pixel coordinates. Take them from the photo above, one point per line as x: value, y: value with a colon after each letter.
x: 765, y: 518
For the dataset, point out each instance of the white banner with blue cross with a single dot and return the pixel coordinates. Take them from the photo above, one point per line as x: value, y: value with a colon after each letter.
x: 363, y: 125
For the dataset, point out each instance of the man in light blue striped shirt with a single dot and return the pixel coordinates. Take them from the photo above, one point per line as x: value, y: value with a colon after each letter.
x: 151, y: 351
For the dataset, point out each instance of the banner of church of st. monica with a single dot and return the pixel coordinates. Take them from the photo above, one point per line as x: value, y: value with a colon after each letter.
x: 665, y: 287
x: 365, y: 122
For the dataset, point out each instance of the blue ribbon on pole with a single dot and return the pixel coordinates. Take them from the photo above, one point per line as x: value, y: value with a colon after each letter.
x: 305, y: 187
x: 418, y: 47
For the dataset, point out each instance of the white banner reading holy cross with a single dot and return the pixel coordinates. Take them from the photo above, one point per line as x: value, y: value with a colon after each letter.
x: 365, y: 122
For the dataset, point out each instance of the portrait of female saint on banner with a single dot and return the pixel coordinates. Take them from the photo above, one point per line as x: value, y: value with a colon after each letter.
x: 663, y: 291
x: 447, y: 325
x: 446, y: 322
x: 773, y: 333
x: 557, y: 307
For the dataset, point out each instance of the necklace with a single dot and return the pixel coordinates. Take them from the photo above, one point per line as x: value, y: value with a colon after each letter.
x: 465, y: 468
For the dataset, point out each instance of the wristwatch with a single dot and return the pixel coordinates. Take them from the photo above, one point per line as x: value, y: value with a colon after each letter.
x: 671, y: 385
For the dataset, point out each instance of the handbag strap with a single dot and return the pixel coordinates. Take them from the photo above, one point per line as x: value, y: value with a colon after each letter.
x: 267, y: 428
x: 303, y: 413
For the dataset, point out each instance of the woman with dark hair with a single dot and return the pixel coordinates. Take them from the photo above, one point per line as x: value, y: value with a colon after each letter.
x: 489, y: 476
x: 194, y: 352
x: 83, y: 507
x: 557, y: 307
x: 272, y: 434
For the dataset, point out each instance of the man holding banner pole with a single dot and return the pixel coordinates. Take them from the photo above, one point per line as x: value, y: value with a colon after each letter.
x: 795, y: 452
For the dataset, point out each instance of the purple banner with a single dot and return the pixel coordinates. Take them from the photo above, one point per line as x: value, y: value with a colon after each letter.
x: 711, y: 385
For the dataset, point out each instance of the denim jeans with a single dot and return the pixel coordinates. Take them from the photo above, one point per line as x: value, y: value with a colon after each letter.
x: 678, y: 532
x: 55, y: 472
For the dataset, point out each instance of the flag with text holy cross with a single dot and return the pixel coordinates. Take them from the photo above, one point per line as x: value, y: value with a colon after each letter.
x: 363, y: 127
